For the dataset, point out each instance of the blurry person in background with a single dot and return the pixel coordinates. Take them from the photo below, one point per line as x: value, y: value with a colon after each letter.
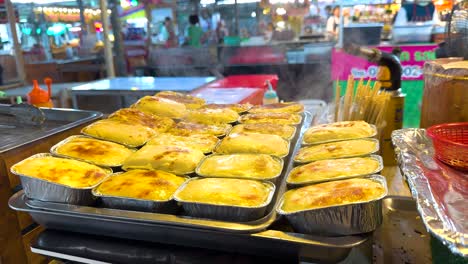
x: 417, y: 11
x: 168, y: 34
x: 268, y: 34
x: 333, y: 22
x: 261, y: 28
x: 244, y: 33
x: 328, y: 11
x: 194, y: 32
x: 221, y: 31
x: 205, y: 20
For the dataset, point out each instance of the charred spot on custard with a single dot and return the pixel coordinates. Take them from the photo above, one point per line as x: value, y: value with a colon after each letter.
x: 91, y: 148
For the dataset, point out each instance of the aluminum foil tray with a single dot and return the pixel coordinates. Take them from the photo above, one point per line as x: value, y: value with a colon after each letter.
x: 225, y: 212
x: 168, y: 206
x: 53, y: 151
x: 341, y: 139
x: 300, y: 184
x: 348, y: 219
x: 275, y: 179
x: 43, y: 190
x: 440, y: 191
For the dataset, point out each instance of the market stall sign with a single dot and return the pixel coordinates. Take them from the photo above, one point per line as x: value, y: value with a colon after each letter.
x: 412, y: 59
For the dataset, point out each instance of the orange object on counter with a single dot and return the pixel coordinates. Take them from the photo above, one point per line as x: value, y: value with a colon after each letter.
x: 39, y: 97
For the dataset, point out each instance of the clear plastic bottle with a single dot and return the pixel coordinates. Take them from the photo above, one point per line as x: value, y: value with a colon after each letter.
x: 270, y: 96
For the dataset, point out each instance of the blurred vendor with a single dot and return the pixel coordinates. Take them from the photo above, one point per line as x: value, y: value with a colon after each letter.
x: 417, y: 11
x: 268, y: 34
x: 333, y: 22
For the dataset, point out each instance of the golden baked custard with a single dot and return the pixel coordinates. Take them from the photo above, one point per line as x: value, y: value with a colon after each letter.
x: 191, y: 102
x: 284, y: 131
x: 69, y: 172
x: 154, y: 185
x: 289, y: 107
x: 134, y: 116
x: 253, y: 143
x: 239, y: 108
x: 255, y: 166
x: 322, y: 170
x: 100, y: 152
x: 332, y: 193
x: 339, y: 149
x: 338, y: 131
x: 132, y: 135
x: 161, y: 107
x: 189, y: 128
x: 222, y: 191
x: 203, y: 142
x: 212, y: 116
x: 175, y: 159
x: 275, y: 118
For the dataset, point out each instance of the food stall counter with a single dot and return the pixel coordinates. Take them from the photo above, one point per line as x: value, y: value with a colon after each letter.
x: 109, y: 95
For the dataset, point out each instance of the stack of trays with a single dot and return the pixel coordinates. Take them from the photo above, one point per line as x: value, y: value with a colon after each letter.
x: 170, y: 151
x: 334, y: 189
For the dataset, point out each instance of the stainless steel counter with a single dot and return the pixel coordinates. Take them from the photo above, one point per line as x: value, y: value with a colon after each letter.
x: 109, y: 95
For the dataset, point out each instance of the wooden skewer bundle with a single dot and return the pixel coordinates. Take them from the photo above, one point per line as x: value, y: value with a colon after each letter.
x: 366, y: 102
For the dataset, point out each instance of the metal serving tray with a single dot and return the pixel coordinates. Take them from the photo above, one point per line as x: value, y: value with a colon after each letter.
x: 57, y: 120
x: 126, y: 224
x: 181, y: 220
x: 300, y: 184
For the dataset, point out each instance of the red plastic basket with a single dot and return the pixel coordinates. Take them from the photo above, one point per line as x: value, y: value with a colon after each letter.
x: 451, y: 143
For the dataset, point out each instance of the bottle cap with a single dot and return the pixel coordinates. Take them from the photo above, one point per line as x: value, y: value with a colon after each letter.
x: 37, y: 95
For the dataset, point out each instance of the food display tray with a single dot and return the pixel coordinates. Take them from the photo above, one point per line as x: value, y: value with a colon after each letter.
x: 139, y: 226
x: 440, y: 191
x: 186, y: 221
x: 15, y: 135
